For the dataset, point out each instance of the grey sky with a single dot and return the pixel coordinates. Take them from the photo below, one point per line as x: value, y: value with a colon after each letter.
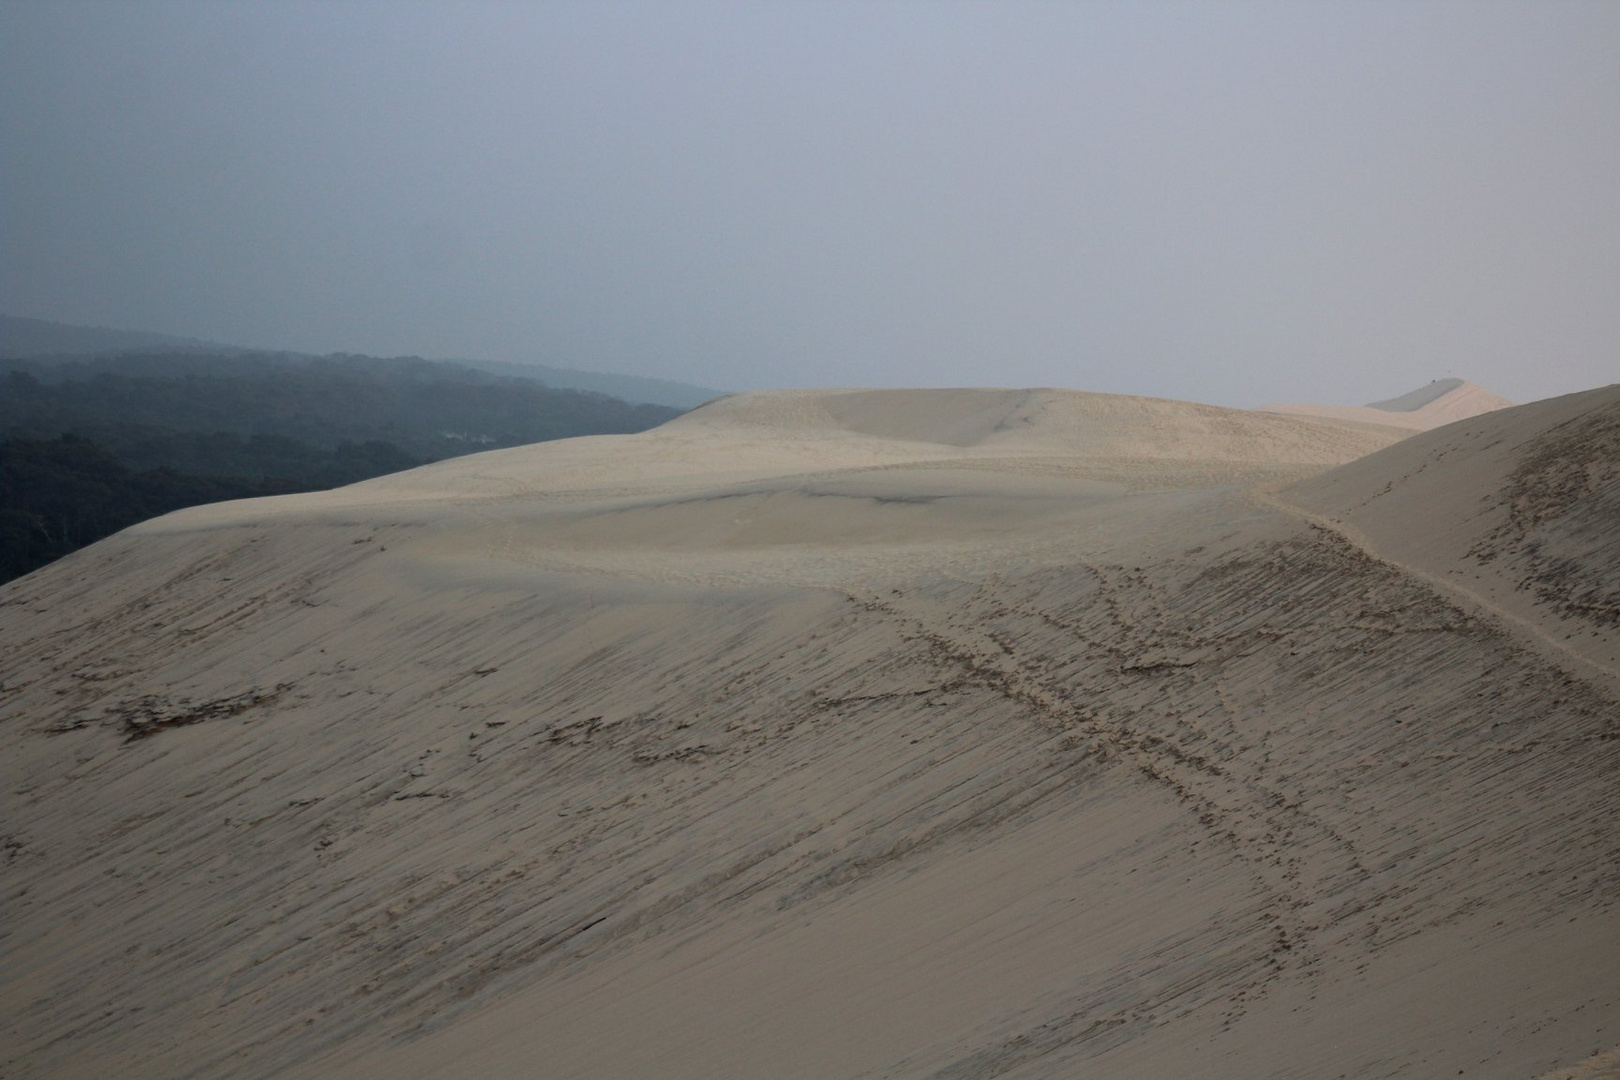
x: 1226, y: 202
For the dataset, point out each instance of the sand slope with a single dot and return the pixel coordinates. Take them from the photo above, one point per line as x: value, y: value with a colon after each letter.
x: 868, y: 733
x: 1519, y: 512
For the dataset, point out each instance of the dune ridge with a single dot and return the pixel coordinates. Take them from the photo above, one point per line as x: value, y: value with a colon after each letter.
x: 855, y: 733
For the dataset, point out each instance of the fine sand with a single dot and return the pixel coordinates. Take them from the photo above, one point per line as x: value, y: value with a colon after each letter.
x: 969, y: 733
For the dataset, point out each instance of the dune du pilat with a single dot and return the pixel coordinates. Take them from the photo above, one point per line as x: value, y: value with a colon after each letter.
x: 910, y: 733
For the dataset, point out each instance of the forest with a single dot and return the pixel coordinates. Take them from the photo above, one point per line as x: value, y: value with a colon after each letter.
x: 91, y: 445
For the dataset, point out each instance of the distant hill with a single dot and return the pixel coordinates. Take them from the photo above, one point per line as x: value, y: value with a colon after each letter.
x: 38, y: 338
x: 1441, y: 402
x: 151, y: 409
x: 1413, y: 400
x: 629, y: 387
x: 90, y: 444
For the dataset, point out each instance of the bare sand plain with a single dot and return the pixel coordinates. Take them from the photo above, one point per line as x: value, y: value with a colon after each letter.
x: 841, y: 734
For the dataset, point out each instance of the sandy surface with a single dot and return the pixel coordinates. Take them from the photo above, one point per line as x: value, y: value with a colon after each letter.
x: 858, y: 734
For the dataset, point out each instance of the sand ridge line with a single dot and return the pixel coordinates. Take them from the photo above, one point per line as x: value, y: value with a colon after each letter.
x: 1602, y: 1066
x: 1539, y: 640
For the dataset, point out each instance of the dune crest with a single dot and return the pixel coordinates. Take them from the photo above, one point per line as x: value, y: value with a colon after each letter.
x: 1071, y: 422
x: 763, y: 435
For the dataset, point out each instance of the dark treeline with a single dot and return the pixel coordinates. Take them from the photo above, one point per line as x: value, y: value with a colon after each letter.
x: 429, y: 410
x: 94, y: 445
x: 58, y: 495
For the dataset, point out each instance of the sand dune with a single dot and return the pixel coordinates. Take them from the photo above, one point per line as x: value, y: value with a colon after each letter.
x: 864, y: 733
x: 1444, y: 401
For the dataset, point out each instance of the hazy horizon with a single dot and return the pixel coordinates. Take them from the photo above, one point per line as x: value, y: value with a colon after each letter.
x: 1235, y: 204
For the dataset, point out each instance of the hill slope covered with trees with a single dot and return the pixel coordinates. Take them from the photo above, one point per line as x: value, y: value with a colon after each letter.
x: 94, y: 444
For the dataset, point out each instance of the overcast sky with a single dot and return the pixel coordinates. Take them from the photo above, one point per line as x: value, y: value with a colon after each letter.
x: 1226, y: 202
